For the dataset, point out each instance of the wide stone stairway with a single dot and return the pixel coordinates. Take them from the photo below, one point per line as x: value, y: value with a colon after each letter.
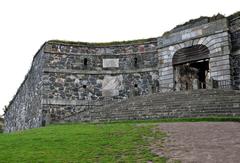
x: 197, y: 103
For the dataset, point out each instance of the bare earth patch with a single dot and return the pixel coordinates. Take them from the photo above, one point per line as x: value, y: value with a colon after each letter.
x: 200, y: 142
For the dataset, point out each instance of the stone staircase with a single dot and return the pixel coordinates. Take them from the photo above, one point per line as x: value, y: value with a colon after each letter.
x: 198, y: 103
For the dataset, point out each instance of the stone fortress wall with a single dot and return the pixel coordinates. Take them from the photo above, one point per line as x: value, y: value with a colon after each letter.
x: 76, y: 78
x: 234, y: 27
x: 25, y: 109
x: 73, y: 78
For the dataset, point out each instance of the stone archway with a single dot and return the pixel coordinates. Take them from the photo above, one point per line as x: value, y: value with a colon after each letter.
x: 191, y: 67
x: 219, y: 62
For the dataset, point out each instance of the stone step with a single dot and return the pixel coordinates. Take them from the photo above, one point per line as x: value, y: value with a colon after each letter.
x: 156, y: 110
x: 176, y: 104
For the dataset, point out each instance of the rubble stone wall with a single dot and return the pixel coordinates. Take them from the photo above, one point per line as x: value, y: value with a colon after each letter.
x: 234, y: 26
x: 72, y: 81
x: 110, y: 73
x: 25, y: 110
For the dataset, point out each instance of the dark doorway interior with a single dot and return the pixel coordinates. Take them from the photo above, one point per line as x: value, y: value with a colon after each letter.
x: 191, y: 67
x: 191, y: 75
x: 203, y: 69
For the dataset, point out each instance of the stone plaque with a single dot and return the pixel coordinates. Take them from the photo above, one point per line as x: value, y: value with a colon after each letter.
x: 110, y: 63
x: 192, y: 34
x: 111, y: 85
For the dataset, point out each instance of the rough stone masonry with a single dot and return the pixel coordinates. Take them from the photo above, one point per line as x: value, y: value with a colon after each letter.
x: 69, y: 78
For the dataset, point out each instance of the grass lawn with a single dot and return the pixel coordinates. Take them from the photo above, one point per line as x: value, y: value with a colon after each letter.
x: 126, y: 141
x: 83, y: 142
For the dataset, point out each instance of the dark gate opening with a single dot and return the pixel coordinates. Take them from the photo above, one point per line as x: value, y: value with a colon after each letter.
x: 191, y: 67
x: 202, y: 74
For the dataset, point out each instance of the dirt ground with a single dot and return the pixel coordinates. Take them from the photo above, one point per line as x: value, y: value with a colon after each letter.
x: 200, y: 142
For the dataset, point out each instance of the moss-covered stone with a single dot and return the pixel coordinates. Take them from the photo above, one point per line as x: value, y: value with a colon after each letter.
x: 195, y: 22
x: 114, y: 43
x: 236, y: 14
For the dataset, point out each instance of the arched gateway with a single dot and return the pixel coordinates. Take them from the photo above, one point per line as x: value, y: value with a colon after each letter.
x: 190, y: 57
x: 191, y: 67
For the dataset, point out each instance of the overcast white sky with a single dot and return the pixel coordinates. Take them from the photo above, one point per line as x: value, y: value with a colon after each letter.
x: 26, y: 24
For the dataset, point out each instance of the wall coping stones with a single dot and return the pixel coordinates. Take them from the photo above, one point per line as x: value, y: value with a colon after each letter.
x: 104, y: 44
x: 234, y: 16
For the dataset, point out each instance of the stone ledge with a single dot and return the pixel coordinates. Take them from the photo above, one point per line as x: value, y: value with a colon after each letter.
x: 102, y: 72
x: 104, y: 44
x: 70, y: 102
x: 106, y: 54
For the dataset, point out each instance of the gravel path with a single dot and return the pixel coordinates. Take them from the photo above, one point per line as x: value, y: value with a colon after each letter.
x: 200, y: 142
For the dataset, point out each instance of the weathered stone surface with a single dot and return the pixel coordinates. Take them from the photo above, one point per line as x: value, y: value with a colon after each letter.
x: 112, y: 85
x: 25, y: 110
x: 110, y: 63
x: 73, y: 81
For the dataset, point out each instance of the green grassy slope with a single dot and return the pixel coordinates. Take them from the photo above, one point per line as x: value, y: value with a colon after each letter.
x: 113, y: 142
x: 126, y: 141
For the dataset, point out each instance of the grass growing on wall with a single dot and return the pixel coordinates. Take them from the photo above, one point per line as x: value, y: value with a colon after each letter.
x: 113, y: 142
x: 114, y: 43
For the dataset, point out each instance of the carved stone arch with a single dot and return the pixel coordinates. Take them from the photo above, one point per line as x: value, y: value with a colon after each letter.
x: 216, y: 48
x: 172, y: 50
x: 214, y: 43
x: 210, y: 42
x: 190, y: 64
x: 190, y: 54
